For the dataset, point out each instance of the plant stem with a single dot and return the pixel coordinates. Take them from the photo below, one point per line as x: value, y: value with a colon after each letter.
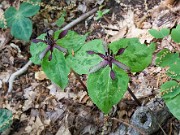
x: 134, y: 97
x: 79, y: 79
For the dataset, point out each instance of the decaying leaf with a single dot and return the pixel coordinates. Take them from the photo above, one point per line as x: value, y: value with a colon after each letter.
x: 40, y: 75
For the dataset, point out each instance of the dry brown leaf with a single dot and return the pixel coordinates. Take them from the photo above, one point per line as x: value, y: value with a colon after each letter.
x: 35, y: 128
x: 119, y: 35
x: 40, y: 75
x: 30, y: 96
x: 63, y: 131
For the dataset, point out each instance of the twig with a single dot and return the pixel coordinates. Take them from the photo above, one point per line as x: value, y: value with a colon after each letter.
x: 134, y: 97
x: 25, y: 67
x: 16, y: 74
x: 127, y: 124
x: 82, y: 17
x: 79, y: 79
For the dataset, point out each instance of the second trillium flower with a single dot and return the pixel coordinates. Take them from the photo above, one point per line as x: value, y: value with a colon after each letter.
x: 108, y: 60
x: 51, y: 44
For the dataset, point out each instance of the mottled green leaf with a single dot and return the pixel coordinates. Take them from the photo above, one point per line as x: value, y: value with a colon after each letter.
x: 174, y: 70
x: 22, y: 29
x: 56, y: 69
x: 2, y: 24
x: 5, y: 119
x: 175, y: 34
x: 28, y: 10
x: 159, y: 34
x: 171, y: 95
x: 136, y: 56
x: 36, y: 49
x: 104, y: 91
x: 11, y: 15
x: 174, y: 105
x: 72, y: 41
x: 165, y: 58
x: 170, y: 89
x: 81, y: 62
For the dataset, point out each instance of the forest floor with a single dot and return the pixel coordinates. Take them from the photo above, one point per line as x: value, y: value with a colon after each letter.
x: 40, y: 107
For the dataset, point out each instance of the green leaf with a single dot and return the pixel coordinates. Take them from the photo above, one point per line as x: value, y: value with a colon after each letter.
x: 159, y: 34
x: 10, y: 15
x: 60, y: 21
x: 173, y: 105
x: 165, y: 58
x: 174, y: 70
x: 104, y: 91
x: 72, y: 41
x: 175, y: 34
x: 170, y: 89
x: 136, y: 56
x: 56, y: 69
x: 28, y: 10
x: 2, y: 24
x: 22, y: 29
x: 81, y: 62
x: 36, y: 49
x: 5, y: 119
x: 171, y: 95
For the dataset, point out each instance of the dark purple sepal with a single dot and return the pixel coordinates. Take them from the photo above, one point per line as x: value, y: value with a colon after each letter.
x: 101, y: 55
x: 120, y: 51
x: 37, y: 40
x: 97, y: 67
x: 90, y: 52
x: 42, y: 54
x: 112, y: 74
x: 120, y: 65
x: 60, y: 48
x: 63, y: 34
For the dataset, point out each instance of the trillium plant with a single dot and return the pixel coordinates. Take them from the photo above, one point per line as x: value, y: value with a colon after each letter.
x: 108, y: 59
x: 51, y: 44
x: 106, y: 66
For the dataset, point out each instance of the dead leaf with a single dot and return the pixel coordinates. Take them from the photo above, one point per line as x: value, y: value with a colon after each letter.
x: 40, y: 75
x: 119, y: 35
x: 63, y: 130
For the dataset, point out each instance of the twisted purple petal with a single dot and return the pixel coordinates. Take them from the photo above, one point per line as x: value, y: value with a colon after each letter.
x: 112, y: 74
x: 63, y: 34
x: 97, y: 67
x: 60, y: 48
x: 37, y: 40
x: 120, y: 65
x: 41, y: 56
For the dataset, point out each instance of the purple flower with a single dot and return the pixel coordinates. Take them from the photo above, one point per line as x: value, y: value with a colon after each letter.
x: 108, y: 59
x: 51, y: 44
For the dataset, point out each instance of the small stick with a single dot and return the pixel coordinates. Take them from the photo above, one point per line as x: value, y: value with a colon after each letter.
x: 134, y: 97
x: 79, y: 79
x: 82, y: 17
x: 25, y: 67
x: 16, y: 74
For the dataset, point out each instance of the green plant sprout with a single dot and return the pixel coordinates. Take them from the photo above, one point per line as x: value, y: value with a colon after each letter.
x: 170, y: 90
x: 18, y: 20
x: 101, y: 13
